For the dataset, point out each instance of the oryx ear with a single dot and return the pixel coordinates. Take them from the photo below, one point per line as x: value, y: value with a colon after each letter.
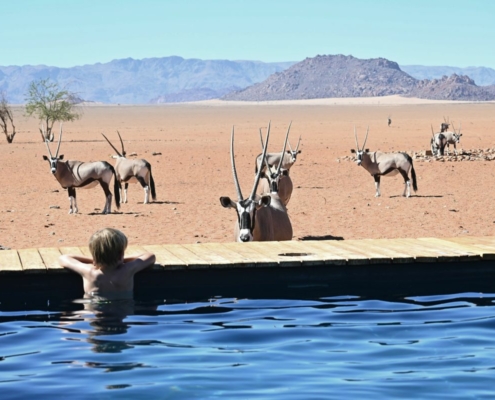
x: 285, y: 173
x: 45, y: 158
x: 264, y: 201
x: 299, y: 152
x: 227, y: 203
x: 367, y: 150
x: 353, y: 150
x: 61, y: 157
x: 288, y: 151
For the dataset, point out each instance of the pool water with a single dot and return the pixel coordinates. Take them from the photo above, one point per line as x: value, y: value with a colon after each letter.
x: 329, y: 347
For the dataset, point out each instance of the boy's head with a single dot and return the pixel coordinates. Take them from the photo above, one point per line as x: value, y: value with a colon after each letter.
x: 107, y: 247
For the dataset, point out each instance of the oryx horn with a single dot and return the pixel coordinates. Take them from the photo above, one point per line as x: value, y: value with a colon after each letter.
x: 122, y: 143
x: 234, y: 172
x: 258, y: 175
x: 113, y: 147
x: 355, y: 137
x: 432, y: 132
x: 366, y: 138
x: 59, y: 140
x: 283, y: 150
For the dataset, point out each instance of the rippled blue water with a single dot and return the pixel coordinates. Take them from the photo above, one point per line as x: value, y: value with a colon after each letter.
x: 327, y: 347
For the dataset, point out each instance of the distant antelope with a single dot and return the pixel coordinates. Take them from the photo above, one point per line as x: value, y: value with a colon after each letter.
x: 389, y: 121
x: 438, y: 142
x: 77, y: 174
x: 386, y: 164
x: 259, y: 218
x: 133, y: 171
x: 276, y: 180
x: 444, y: 126
x: 288, y: 157
x: 453, y: 138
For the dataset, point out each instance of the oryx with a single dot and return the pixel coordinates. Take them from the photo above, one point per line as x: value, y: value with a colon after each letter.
x: 133, y: 171
x: 288, y: 157
x: 259, y: 217
x: 453, y: 138
x: 438, y: 142
x: 276, y: 179
x: 444, y: 126
x: 386, y: 164
x: 77, y: 174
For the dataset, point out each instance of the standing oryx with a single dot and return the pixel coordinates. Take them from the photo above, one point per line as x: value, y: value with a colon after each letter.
x: 77, y: 174
x: 438, y: 142
x: 276, y: 180
x: 288, y: 158
x: 259, y: 218
x: 386, y: 164
x: 453, y: 138
x: 133, y: 171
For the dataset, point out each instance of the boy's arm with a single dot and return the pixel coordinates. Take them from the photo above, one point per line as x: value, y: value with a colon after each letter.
x: 79, y: 264
x: 140, y: 262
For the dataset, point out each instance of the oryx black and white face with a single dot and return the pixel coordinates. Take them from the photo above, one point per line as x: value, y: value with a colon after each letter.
x: 360, y: 150
x: 53, y: 162
x: 274, y: 177
x: 246, y: 214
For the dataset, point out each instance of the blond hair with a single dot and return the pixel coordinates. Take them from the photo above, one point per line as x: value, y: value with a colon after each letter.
x: 107, y: 247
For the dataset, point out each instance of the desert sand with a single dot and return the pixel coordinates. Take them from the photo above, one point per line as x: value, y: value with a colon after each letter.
x: 188, y: 146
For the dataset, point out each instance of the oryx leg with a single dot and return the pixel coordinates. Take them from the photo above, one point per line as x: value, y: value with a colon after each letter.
x: 126, y: 185
x: 146, y: 188
x: 72, y: 200
x: 377, y: 185
x: 407, y: 184
x: 108, y: 195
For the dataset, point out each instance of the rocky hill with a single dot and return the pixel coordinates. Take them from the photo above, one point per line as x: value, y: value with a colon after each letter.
x: 331, y: 76
x: 346, y: 76
x: 130, y: 81
x: 482, y: 76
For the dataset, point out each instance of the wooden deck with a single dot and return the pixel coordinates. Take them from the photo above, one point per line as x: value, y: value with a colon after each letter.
x: 273, y: 254
x: 385, y: 263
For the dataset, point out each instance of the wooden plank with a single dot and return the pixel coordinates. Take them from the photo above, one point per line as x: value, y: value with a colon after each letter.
x: 191, y: 259
x: 333, y: 250
x: 474, y: 244
x: 464, y: 254
x: 208, y: 255
x: 31, y: 261
x: 72, y: 251
x: 9, y: 261
x: 85, y: 251
x: 50, y: 257
x: 271, y: 250
x: 322, y: 253
x: 374, y: 255
x: 224, y: 251
x: 165, y: 258
x: 418, y: 254
x: 307, y: 254
x: 134, y: 250
x: 427, y: 250
x: 259, y: 260
x: 398, y: 255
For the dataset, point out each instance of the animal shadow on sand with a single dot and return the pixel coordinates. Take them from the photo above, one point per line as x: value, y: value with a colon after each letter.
x: 324, y: 237
x: 418, y: 195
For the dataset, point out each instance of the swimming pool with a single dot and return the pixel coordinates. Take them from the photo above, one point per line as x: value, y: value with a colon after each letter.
x: 295, y: 346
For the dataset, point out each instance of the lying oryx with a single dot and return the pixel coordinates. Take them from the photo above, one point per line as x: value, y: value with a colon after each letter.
x: 133, y: 171
x: 386, y: 164
x: 276, y: 180
x: 438, y: 142
x: 259, y: 218
x: 288, y: 158
x: 76, y: 174
x: 453, y: 138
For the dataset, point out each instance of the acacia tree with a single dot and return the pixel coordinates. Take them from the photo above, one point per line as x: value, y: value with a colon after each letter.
x: 6, y: 117
x: 50, y: 103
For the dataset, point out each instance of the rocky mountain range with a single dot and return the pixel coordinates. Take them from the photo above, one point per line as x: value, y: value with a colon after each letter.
x: 330, y: 76
x: 175, y: 79
x: 130, y: 81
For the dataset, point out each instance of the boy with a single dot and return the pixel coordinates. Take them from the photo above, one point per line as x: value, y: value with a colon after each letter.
x: 108, y: 274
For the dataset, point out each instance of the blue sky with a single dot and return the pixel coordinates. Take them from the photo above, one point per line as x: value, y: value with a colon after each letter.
x: 66, y: 33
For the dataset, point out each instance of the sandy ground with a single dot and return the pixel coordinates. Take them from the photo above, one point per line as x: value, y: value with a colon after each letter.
x: 331, y: 199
